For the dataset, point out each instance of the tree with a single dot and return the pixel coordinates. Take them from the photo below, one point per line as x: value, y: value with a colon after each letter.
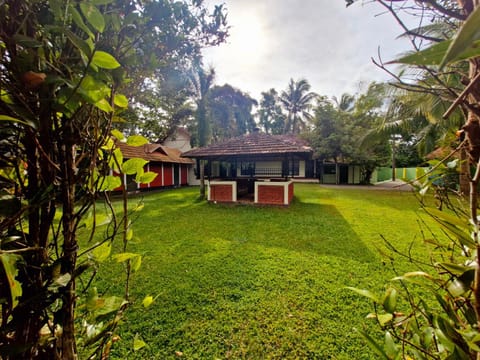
x: 202, y: 81
x: 340, y: 128
x: 161, y: 105
x: 270, y: 113
x: 297, y: 101
x: 62, y: 69
x: 231, y: 112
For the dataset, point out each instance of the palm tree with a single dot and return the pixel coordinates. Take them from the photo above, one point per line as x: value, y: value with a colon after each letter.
x: 345, y: 103
x: 202, y: 81
x: 297, y: 101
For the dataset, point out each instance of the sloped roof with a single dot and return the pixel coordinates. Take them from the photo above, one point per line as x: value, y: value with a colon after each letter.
x: 253, y: 144
x: 153, y: 152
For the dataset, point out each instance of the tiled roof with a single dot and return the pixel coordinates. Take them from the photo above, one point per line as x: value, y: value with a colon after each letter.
x: 253, y: 144
x: 153, y: 152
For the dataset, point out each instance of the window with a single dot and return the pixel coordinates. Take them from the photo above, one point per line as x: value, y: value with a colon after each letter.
x: 247, y: 168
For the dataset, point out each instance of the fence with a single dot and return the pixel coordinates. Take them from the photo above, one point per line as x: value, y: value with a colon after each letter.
x: 385, y: 173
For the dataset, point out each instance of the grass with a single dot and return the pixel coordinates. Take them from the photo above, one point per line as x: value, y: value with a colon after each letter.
x: 260, y: 282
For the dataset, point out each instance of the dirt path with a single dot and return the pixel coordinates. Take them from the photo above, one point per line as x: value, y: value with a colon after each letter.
x: 386, y: 185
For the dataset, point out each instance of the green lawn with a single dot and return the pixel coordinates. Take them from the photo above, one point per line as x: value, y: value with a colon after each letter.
x: 261, y: 282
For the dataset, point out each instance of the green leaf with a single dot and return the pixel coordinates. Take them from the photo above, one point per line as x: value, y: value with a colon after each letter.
x: 104, y: 60
x: 373, y: 345
x: 117, y: 134
x: 136, y: 263
x: 120, y: 100
x: 448, y: 218
x: 136, y: 140
x: 125, y: 256
x: 133, y: 166
x: 390, y: 300
x: 5, y: 97
x: 102, y: 252
x: 110, y: 183
x: 413, y: 274
x: 455, y: 269
x: 464, y: 39
x: 93, y: 15
x: 432, y: 55
x: 365, y: 293
x: 9, y: 264
x: 116, y: 159
x: 12, y: 119
x: 91, y: 300
x: 26, y: 41
x: 60, y: 281
x: 391, y: 348
x: 104, y: 105
x: 109, y: 305
x: 102, y: 219
x: 102, y: 2
x: 77, y: 19
x: 138, y: 343
x: 78, y: 43
x: 384, y: 319
x: 129, y: 234
x: 146, y: 178
x: 147, y: 301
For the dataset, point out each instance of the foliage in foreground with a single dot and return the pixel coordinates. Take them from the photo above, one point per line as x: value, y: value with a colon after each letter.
x: 451, y: 61
x: 63, y: 68
x: 429, y: 312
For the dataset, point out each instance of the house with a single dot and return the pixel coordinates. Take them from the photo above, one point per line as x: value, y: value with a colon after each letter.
x: 256, y: 167
x: 180, y: 140
x: 339, y: 173
x: 172, y: 169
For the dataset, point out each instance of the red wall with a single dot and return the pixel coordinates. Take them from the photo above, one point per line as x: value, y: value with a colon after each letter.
x: 221, y: 193
x: 168, y: 172
x: 270, y: 195
x: 184, y: 177
x: 158, y: 180
x: 168, y: 175
x: 290, y: 192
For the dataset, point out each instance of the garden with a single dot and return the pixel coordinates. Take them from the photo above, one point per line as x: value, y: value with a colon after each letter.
x: 261, y: 282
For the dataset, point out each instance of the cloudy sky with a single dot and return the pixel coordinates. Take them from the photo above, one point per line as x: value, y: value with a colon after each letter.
x: 322, y: 41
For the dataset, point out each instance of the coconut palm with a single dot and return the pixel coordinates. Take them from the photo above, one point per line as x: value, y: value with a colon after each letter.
x: 202, y: 81
x: 297, y: 101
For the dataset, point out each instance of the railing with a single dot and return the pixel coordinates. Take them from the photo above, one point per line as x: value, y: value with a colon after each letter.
x: 266, y: 172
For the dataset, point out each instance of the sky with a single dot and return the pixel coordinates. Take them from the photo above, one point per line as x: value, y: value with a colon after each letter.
x: 321, y: 41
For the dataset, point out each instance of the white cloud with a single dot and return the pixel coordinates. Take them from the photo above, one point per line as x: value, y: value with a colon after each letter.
x: 329, y: 45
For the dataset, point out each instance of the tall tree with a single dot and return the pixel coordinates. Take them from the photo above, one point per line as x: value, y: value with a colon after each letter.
x: 297, y: 100
x: 231, y: 112
x: 270, y: 114
x: 202, y: 81
x: 161, y: 105
x: 339, y: 131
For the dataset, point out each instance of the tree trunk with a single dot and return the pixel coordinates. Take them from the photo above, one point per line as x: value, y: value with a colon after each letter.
x: 202, y: 180
x: 464, y: 176
x: 67, y: 344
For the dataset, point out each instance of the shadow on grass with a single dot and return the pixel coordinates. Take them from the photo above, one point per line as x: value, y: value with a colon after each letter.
x: 177, y: 220
x: 313, y: 228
